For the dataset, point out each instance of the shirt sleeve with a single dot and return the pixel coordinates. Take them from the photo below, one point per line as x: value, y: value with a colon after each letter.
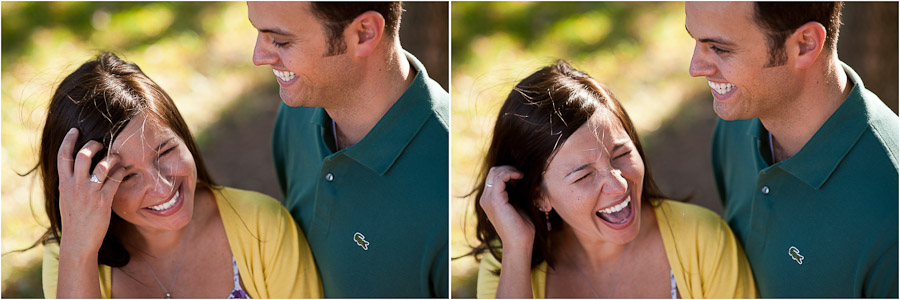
x: 290, y: 270
x: 726, y: 271
x: 488, y: 277
x: 50, y: 270
x: 881, y: 280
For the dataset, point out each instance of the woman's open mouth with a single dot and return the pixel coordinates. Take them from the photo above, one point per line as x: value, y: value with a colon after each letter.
x: 617, y: 216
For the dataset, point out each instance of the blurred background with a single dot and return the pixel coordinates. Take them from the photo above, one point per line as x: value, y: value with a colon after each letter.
x: 200, y: 53
x: 639, y: 50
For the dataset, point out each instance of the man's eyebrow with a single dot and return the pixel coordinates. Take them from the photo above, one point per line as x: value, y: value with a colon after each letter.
x: 275, y: 31
x: 720, y: 41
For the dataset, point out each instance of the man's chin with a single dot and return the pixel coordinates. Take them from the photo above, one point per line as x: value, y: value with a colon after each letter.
x: 290, y: 99
x: 725, y: 112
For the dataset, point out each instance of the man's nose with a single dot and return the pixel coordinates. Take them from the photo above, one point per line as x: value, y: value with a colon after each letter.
x: 262, y: 55
x: 699, y: 66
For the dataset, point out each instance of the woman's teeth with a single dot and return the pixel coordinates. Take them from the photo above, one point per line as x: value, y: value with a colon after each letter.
x: 285, y: 76
x: 168, y: 204
x: 618, y: 207
x: 721, y: 88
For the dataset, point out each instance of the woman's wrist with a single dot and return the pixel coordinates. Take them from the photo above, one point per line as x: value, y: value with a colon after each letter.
x: 74, y: 249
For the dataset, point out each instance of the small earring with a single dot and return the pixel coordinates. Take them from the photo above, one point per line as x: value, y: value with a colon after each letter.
x: 547, y: 217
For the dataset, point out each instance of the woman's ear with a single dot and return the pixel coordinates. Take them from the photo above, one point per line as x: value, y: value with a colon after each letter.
x: 364, y: 34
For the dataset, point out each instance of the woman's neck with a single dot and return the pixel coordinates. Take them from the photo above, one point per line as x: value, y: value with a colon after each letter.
x: 569, y: 246
x: 154, y: 242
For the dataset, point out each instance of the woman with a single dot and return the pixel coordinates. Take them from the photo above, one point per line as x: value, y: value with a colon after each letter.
x: 131, y: 203
x: 567, y: 200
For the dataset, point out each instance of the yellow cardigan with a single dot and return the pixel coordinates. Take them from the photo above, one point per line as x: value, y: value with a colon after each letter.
x: 272, y: 255
x: 705, y: 257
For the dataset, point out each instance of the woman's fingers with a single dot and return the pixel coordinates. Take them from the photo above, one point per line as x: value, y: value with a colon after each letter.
x: 104, y: 166
x: 83, y: 161
x: 110, y: 185
x: 495, y: 185
x: 64, y: 160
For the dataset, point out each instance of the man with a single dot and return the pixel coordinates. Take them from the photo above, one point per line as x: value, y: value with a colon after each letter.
x: 360, y: 145
x: 805, y: 158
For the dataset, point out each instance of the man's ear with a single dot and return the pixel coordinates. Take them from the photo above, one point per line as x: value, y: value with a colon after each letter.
x: 364, y: 33
x: 806, y: 44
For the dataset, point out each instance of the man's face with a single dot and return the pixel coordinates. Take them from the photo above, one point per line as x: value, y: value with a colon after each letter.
x: 731, y: 52
x: 292, y: 41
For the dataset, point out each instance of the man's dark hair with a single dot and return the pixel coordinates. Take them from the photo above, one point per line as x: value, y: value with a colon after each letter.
x: 337, y: 15
x: 781, y: 19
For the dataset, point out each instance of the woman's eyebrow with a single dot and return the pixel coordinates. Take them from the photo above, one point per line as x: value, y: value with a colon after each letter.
x: 159, y: 148
x: 579, y: 168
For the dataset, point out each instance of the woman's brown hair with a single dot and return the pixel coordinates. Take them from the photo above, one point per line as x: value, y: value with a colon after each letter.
x: 539, y: 115
x: 99, y: 99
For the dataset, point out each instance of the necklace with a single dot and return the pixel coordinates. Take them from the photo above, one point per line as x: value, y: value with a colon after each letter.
x: 177, y: 268
x: 615, y: 280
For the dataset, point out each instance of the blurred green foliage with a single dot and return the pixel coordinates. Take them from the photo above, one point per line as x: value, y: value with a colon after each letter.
x: 199, y: 52
x: 639, y: 50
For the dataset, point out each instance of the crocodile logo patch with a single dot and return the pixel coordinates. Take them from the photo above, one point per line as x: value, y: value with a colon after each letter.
x: 795, y: 254
x: 360, y: 240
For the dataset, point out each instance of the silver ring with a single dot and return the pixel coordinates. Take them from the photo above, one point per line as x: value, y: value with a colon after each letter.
x: 488, y: 184
x: 94, y: 179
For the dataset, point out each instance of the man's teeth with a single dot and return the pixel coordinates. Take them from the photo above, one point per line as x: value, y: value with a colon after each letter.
x: 721, y: 88
x: 168, y: 204
x: 618, y: 207
x: 285, y: 76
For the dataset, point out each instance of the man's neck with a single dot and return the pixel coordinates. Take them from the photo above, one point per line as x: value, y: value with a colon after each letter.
x: 382, y: 84
x: 794, y: 125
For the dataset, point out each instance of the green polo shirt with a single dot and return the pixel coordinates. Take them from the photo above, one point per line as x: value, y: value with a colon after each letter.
x: 822, y: 223
x: 375, y: 214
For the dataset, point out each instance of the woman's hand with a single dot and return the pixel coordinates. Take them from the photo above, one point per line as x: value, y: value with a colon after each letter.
x: 85, y: 206
x: 516, y: 232
x: 512, y: 225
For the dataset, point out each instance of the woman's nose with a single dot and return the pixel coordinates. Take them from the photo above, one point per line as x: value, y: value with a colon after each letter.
x: 613, y: 183
x: 161, y: 185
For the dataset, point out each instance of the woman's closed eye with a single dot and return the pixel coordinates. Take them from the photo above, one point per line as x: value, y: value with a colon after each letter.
x: 585, y: 176
x: 624, y: 154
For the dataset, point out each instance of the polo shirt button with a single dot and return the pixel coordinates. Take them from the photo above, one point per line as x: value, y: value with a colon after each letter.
x: 329, y: 177
x: 765, y: 189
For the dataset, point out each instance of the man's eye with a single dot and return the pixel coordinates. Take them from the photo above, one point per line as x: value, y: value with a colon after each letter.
x: 279, y: 45
x: 718, y: 50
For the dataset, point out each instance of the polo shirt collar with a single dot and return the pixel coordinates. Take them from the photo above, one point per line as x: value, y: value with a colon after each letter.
x: 822, y: 154
x: 384, y: 144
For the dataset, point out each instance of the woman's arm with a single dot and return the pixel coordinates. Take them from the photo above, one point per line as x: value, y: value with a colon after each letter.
x: 85, y: 206
x: 516, y: 233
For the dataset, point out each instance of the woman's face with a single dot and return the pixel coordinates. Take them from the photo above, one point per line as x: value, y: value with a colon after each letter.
x: 157, y: 192
x: 594, y: 181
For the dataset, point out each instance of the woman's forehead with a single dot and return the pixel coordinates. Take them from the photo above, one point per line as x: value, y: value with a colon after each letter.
x: 142, y: 132
x: 595, y: 138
